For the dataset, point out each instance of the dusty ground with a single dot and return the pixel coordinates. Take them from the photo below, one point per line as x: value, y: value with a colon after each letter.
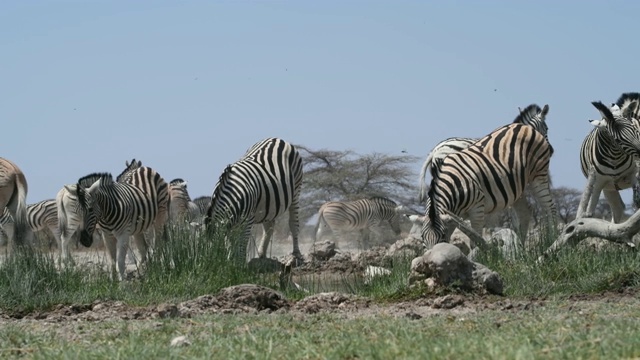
x: 256, y: 299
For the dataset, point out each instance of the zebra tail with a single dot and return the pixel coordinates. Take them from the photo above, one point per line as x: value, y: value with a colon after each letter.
x: 433, y: 230
x: 423, y: 175
x: 20, y: 220
x: 62, y: 215
x: 317, y: 227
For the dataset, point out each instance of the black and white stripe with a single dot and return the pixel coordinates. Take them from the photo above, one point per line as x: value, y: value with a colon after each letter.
x: 531, y: 115
x: 262, y: 185
x: 488, y: 176
x: 182, y: 208
x: 341, y: 216
x: 123, y: 209
x: 41, y: 216
x: 612, y: 149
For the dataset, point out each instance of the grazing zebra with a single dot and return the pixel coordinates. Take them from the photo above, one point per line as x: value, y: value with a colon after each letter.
x: 357, y: 215
x: 123, y: 209
x: 486, y: 177
x: 13, y: 195
x: 182, y: 208
x: 532, y: 115
x: 71, y: 220
x: 256, y: 189
x: 41, y: 216
x: 612, y: 148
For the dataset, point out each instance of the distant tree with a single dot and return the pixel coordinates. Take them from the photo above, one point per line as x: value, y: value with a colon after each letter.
x: 567, y: 201
x: 346, y: 175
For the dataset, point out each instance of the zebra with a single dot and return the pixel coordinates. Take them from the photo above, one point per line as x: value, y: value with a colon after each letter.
x: 41, y: 216
x: 486, y: 177
x: 182, y: 208
x: 123, y: 210
x: 531, y: 115
x: 71, y: 222
x: 256, y: 189
x: 612, y: 149
x: 13, y: 195
x: 357, y: 215
x: 137, y: 175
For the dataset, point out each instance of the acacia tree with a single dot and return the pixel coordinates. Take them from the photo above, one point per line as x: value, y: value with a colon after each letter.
x: 346, y: 175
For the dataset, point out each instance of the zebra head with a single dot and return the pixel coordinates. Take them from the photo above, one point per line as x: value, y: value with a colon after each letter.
x: 621, y: 125
x: 534, y: 116
x: 87, y: 190
x: 224, y: 209
x: 128, y: 170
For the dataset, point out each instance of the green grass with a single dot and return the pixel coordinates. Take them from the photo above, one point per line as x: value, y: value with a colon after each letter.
x: 588, y: 331
x: 186, y: 267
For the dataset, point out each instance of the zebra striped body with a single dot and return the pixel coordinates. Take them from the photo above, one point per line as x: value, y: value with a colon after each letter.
x: 612, y: 150
x: 262, y: 185
x: 13, y: 195
x: 532, y: 115
x: 356, y: 215
x: 488, y: 176
x: 41, y: 216
x: 124, y: 209
x: 182, y: 208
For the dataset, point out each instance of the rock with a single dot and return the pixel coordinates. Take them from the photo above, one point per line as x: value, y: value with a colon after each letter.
x: 166, y: 311
x: 323, y: 250
x: 445, y: 265
x: 407, y: 248
x: 180, y: 341
x: 447, y: 302
x: 254, y: 296
x: 507, y: 241
x: 265, y: 265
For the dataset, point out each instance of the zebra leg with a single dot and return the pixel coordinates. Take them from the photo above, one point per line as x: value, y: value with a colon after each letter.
x: 615, y: 202
x: 266, y: 238
x: 521, y: 208
x: 110, y: 246
x: 294, y: 226
x: 542, y: 192
x: 64, y: 241
x: 365, y: 236
x: 141, y: 245
x: 476, y: 217
x: 593, y: 198
x: 121, y: 254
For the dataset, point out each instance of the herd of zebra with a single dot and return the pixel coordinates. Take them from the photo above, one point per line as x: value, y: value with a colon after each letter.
x: 471, y: 178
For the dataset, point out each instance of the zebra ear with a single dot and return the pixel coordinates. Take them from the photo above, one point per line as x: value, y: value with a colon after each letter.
x: 630, y: 109
x: 605, y: 112
x: 598, y: 123
x: 71, y: 189
x: 545, y: 110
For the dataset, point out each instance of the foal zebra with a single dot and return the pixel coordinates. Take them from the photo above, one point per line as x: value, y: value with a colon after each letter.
x: 13, y: 195
x: 532, y: 115
x: 488, y: 176
x: 182, y: 208
x: 41, y: 216
x: 123, y: 209
x: 612, y: 149
x: 360, y: 214
x: 256, y: 189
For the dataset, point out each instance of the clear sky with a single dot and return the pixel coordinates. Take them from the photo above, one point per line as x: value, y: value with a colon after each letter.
x: 188, y: 86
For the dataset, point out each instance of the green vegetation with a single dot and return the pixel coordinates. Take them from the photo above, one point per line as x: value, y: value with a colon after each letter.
x: 186, y: 267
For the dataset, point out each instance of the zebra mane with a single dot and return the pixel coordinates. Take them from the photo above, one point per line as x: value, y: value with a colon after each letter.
x: 88, y: 180
x: 528, y: 112
x: 178, y: 181
x: 626, y: 98
x: 202, y: 198
x: 85, y: 182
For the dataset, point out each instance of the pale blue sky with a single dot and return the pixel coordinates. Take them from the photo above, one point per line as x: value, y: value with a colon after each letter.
x: 188, y: 86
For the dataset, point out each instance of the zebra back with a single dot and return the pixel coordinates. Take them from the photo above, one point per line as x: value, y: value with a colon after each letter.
x: 267, y: 178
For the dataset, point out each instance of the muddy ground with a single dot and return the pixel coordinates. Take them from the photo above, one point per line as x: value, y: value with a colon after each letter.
x: 249, y: 298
